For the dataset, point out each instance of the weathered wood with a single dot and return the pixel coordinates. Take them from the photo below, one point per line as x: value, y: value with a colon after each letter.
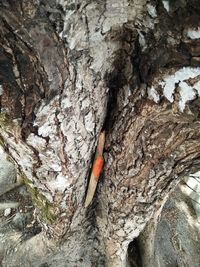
x: 69, y: 70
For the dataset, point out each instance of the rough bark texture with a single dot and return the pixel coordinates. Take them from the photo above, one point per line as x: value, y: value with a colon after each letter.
x: 172, y: 237
x: 69, y: 69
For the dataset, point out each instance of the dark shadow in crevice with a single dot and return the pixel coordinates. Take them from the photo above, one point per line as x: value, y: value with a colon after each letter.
x: 116, y: 78
x: 134, y: 254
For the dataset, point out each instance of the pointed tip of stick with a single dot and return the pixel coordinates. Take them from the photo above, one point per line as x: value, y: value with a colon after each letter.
x: 91, y: 190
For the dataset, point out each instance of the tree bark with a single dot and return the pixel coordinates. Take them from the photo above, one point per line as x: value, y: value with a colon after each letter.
x: 172, y: 238
x: 69, y: 70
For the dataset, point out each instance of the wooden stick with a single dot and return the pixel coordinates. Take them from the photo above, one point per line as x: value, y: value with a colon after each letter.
x: 96, y: 169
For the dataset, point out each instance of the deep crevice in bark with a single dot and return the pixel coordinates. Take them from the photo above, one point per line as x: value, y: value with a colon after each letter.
x: 115, y: 81
x: 134, y: 254
x: 141, y: 159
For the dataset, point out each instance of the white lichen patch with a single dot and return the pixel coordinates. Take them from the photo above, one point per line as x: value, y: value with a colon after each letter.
x: 83, y: 148
x: 36, y: 141
x: 85, y: 103
x: 186, y: 93
x: 7, y: 212
x: 59, y: 184
x: 56, y: 167
x: 47, y: 129
x: 153, y: 94
x: 50, y: 160
x: 66, y: 103
x: 180, y: 77
x: 142, y: 41
x: 151, y: 10
x: 89, y: 122
x: 120, y: 233
x: 166, y: 5
x: 194, y: 34
x: 45, y: 118
x: 1, y: 90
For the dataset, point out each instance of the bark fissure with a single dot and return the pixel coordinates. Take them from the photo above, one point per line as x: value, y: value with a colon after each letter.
x: 69, y: 70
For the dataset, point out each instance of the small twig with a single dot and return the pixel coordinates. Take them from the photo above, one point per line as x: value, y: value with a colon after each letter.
x: 192, y: 190
x: 191, y: 187
x: 195, y: 178
x: 195, y: 201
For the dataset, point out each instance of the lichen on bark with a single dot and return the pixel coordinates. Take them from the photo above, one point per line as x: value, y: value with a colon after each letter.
x: 70, y: 69
x: 43, y: 206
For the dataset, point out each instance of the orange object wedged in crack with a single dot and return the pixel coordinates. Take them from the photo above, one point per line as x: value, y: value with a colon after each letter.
x: 97, y: 166
x: 96, y: 169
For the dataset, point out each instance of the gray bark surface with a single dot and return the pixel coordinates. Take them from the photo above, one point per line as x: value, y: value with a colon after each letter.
x: 69, y: 69
x: 172, y: 238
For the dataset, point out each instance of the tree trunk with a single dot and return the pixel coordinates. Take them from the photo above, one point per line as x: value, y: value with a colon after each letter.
x: 71, y: 69
x: 172, y: 238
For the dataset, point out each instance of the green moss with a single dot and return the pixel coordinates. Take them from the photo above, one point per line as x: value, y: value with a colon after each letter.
x: 5, y: 119
x: 44, y: 206
x: 2, y: 143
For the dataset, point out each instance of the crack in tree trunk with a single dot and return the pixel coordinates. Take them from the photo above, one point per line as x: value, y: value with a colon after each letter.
x: 69, y: 70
